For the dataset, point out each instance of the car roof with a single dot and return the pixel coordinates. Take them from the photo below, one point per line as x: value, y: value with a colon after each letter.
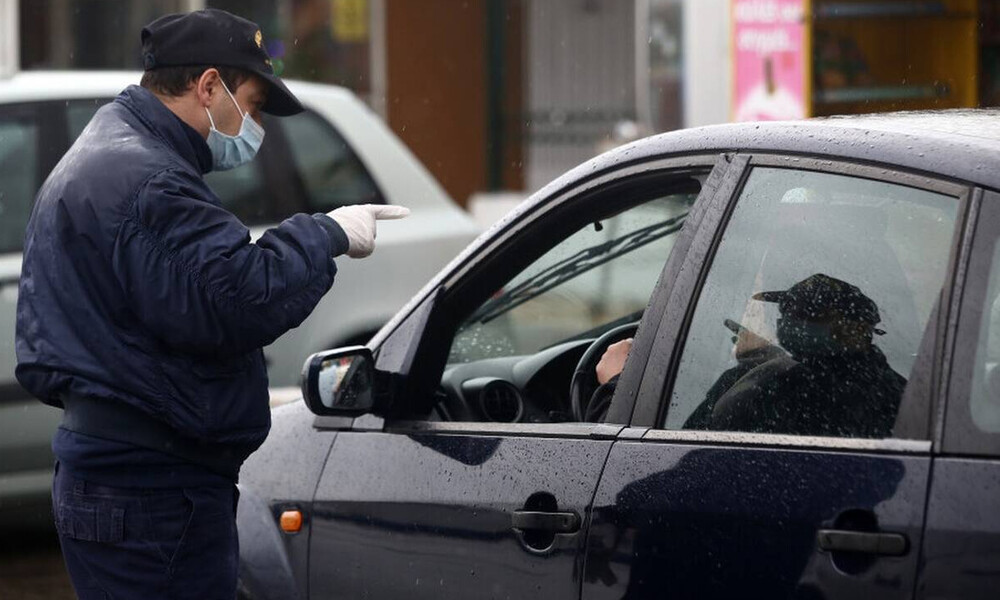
x: 961, y: 145
x: 33, y: 86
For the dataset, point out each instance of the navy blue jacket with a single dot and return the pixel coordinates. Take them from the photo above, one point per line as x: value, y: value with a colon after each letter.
x: 139, y: 291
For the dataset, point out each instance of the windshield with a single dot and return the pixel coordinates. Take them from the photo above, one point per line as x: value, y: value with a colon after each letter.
x: 576, y: 265
x: 600, y: 276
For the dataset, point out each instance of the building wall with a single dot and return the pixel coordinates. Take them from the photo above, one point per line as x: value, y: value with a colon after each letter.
x: 10, y: 58
x: 707, y: 62
x: 436, y: 87
x: 580, y: 81
x: 87, y: 34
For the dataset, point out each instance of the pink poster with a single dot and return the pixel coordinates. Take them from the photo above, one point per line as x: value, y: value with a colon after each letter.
x: 770, y: 55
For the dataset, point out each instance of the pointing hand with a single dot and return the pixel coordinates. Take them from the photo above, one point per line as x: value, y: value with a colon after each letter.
x: 358, y: 222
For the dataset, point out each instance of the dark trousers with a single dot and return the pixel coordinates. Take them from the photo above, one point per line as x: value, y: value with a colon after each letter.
x: 147, y: 543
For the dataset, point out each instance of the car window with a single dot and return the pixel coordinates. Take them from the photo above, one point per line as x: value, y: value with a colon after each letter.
x: 331, y: 172
x: 242, y: 192
x: 811, y: 316
x: 597, y: 277
x: 985, y: 397
x: 79, y: 113
x: 19, y: 177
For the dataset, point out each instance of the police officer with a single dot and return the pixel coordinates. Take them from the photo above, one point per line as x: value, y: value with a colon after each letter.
x: 144, y: 307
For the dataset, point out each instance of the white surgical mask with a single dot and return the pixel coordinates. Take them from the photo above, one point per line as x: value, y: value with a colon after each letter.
x: 231, y: 151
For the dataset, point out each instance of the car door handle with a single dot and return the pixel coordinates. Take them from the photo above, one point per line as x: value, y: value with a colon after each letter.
x: 863, y: 542
x: 556, y: 522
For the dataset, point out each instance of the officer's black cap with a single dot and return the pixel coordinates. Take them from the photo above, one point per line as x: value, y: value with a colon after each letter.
x: 215, y: 38
x: 818, y: 296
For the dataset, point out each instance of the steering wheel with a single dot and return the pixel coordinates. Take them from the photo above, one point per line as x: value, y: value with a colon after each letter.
x: 584, y: 381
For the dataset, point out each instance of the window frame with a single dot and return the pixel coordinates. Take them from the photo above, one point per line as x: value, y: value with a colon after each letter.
x: 961, y: 435
x: 428, y: 340
x: 923, y: 395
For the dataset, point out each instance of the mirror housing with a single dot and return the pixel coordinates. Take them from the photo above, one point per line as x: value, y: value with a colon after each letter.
x: 340, y: 382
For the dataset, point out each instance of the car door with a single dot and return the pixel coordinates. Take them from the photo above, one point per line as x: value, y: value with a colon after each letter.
x: 780, y: 444
x: 962, y: 541
x: 476, y: 484
x: 32, y: 138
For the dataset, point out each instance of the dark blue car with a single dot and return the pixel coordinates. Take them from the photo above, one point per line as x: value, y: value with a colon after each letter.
x: 810, y: 407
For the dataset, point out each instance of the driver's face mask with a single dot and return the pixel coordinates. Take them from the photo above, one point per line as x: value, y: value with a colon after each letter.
x: 803, y: 338
x: 231, y: 151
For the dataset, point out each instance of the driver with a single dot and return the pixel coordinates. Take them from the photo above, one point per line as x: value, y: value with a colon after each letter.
x: 834, y: 381
x: 829, y: 379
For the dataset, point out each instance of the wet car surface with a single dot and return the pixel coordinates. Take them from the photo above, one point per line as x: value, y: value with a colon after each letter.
x: 810, y: 406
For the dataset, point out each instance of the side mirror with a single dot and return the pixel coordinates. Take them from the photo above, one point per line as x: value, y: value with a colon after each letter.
x: 340, y: 382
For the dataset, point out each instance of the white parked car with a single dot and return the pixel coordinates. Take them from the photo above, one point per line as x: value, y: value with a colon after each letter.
x: 337, y: 152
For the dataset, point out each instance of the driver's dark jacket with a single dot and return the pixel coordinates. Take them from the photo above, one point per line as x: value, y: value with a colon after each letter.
x: 848, y: 395
x: 141, y: 292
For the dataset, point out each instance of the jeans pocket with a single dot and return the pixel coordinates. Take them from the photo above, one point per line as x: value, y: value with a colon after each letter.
x: 168, y: 518
x: 90, y: 519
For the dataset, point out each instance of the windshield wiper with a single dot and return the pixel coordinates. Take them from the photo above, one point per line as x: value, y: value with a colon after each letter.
x: 570, y: 267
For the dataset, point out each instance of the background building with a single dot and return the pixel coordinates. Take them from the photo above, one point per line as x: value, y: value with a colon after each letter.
x: 497, y: 95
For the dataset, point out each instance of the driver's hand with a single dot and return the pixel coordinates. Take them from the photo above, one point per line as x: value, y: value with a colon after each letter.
x: 748, y: 341
x: 613, y: 361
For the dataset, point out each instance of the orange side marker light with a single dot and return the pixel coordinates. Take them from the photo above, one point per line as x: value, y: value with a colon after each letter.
x: 291, y: 521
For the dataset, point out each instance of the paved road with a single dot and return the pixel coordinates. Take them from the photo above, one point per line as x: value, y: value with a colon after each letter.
x: 31, y: 567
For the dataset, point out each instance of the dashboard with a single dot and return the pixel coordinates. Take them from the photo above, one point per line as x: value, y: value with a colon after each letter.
x: 513, y: 389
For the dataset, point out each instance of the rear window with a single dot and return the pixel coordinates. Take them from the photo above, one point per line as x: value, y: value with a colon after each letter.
x: 331, y: 172
x: 19, y: 177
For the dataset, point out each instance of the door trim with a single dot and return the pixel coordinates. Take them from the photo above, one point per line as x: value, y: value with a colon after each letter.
x: 770, y: 440
x: 680, y: 298
x: 961, y: 435
x: 591, y: 431
x: 629, y: 384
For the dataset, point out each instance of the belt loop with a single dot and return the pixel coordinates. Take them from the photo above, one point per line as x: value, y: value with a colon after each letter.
x: 79, y: 487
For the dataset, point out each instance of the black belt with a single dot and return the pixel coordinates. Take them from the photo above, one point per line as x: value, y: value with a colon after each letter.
x: 119, y: 422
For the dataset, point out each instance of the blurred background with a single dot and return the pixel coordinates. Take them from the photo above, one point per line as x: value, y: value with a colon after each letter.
x: 504, y: 95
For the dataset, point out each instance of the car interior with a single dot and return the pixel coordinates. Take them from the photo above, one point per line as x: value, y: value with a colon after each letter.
x: 535, y: 323
x: 525, y: 350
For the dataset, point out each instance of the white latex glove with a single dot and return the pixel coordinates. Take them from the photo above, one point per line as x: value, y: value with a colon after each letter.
x: 358, y: 222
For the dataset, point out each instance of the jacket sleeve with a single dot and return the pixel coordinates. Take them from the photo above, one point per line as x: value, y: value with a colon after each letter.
x: 196, y: 281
